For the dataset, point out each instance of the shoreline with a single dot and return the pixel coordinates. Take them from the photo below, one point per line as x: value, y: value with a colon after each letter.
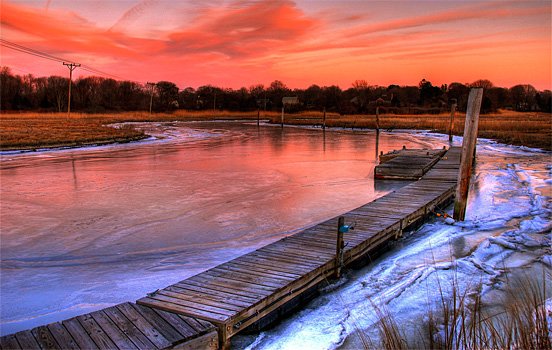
x: 73, y: 145
x: 55, y: 131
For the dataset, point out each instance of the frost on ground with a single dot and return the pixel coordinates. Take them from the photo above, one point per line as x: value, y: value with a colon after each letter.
x: 506, y: 234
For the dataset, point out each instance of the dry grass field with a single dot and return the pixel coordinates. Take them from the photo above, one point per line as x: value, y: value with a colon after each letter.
x: 532, y: 129
x: 27, y: 131
x: 38, y: 130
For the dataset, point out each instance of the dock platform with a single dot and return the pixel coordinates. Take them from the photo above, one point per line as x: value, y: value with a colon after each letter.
x: 407, y: 164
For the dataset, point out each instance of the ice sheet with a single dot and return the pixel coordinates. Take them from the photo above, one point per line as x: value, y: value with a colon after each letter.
x: 85, y: 228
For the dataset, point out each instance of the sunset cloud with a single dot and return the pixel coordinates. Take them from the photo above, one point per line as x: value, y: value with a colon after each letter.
x: 489, y: 11
x: 243, y: 31
x: 239, y: 43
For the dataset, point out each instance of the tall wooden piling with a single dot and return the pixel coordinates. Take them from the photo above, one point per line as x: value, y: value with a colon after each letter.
x: 340, y: 245
x: 451, y: 124
x: 258, y: 116
x: 468, y: 148
x: 324, y: 120
x: 282, y: 119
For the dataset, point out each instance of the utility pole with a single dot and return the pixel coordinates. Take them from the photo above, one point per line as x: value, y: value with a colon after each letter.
x: 71, y: 67
x: 151, y: 85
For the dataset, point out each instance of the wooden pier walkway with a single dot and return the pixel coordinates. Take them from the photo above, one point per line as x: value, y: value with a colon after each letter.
x: 123, y: 326
x: 242, y: 291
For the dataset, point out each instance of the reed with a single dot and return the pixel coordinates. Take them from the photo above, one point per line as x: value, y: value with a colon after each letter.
x: 462, y: 320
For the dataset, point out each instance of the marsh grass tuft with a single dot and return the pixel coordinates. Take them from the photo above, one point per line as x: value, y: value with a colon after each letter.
x: 462, y: 320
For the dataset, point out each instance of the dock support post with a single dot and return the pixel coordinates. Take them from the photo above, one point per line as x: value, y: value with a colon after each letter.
x: 224, y: 341
x: 324, y: 120
x: 377, y: 145
x: 451, y: 124
x: 468, y: 148
x: 339, y: 247
x: 258, y: 115
x: 282, y: 119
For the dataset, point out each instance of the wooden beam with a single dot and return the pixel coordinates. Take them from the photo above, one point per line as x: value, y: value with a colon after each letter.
x: 468, y: 148
x: 339, y: 247
x: 377, y: 119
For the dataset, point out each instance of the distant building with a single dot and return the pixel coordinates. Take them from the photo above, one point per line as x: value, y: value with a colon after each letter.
x: 290, y: 100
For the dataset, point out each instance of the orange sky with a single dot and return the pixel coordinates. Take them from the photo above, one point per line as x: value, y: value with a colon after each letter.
x: 240, y: 43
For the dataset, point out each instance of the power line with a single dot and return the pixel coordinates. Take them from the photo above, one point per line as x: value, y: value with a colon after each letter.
x: 33, y: 52
x: 37, y: 53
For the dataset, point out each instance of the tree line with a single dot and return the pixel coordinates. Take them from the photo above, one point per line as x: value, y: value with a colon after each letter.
x: 97, y: 94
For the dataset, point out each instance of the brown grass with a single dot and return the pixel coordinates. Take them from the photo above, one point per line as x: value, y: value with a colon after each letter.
x: 532, y: 129
x: 46, y: 130
x: 36, y: 130
x: 462, y: 322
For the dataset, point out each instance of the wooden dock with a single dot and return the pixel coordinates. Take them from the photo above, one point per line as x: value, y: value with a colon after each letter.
x: 407, y: 164
x: 246, y: 290
x: 242, y: 291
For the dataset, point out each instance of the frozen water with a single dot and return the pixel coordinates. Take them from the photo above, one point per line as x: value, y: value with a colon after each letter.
x: 86, y: 228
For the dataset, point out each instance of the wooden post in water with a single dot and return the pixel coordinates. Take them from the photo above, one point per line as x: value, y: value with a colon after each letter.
x: 258, y: 115
x: 282, y: 119
x: 324, y: 140
x: 377, y: 145
x: 451, y: 124
x: 339, y: 247
x: 324, y: 120
x: 377, y: 118
x: 468, y: 147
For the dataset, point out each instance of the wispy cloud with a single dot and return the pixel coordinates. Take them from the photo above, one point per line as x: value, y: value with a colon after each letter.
x: 251, y: 29
x: 472, y: 11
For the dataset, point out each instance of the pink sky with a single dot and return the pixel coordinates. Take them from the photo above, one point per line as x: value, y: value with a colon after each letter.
x: 240, y: 43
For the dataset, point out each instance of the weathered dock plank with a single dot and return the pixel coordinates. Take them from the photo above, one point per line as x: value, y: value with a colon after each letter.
x: 411, y: 153
x: 123, y: 326
x: 406, y: 164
